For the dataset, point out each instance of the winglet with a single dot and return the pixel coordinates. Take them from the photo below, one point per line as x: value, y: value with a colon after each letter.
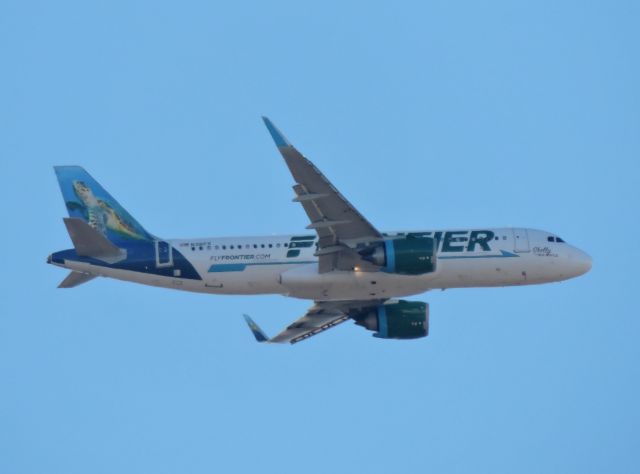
x: 276, y: 134
x: 255, y: 329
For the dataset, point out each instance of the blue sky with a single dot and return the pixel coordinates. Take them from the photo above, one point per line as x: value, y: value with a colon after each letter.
x: 425, y: 115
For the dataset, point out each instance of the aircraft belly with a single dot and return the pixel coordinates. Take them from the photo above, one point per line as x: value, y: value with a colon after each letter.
x: 488, y: 272
x: 305, y: 282
x: 137, y: 277
x: 253, y: 280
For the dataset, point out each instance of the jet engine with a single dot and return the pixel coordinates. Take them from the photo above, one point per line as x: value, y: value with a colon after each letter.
x: 409, y: 255
x: 395, y: 319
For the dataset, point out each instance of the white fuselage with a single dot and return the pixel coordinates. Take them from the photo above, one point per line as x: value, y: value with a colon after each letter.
x: 286, y: 265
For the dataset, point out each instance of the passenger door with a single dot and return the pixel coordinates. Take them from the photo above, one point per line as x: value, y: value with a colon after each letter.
x: 521, y: 240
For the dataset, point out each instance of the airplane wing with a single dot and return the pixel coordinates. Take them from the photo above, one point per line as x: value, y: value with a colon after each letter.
x: 333, y: 217
x: 321, y: 316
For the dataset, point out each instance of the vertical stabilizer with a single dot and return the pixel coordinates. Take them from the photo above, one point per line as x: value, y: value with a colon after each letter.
x: 87, y: 200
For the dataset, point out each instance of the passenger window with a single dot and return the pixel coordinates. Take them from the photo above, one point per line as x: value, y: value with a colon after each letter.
x: 224, y: 247
x: 278, y: 245
x: 261, y: 245
x: 270, y: 245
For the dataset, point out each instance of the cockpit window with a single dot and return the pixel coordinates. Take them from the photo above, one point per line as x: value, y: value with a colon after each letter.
x: 551, y: 238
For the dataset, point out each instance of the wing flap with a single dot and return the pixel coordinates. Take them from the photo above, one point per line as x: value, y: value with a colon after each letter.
x: 330, y: 205
x: 308, y: 329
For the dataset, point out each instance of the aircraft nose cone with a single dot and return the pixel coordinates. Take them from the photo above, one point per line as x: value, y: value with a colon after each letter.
x: 581, y: 262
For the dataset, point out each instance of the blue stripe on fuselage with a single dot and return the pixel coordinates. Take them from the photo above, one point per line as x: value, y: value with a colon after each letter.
x: 239, y: 267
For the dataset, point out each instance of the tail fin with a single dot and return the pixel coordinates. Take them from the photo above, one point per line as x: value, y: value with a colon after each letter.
x: 87, y: 200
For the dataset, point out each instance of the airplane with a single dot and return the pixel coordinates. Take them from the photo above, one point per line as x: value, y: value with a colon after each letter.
x: 343, y: 263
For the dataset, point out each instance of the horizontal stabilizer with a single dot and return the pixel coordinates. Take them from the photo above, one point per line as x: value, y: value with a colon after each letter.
x: 88, y: 242
x: 75, y: 279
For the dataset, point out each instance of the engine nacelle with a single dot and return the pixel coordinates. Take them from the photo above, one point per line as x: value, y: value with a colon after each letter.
x: 409, y: 255
x: 396, y: 320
